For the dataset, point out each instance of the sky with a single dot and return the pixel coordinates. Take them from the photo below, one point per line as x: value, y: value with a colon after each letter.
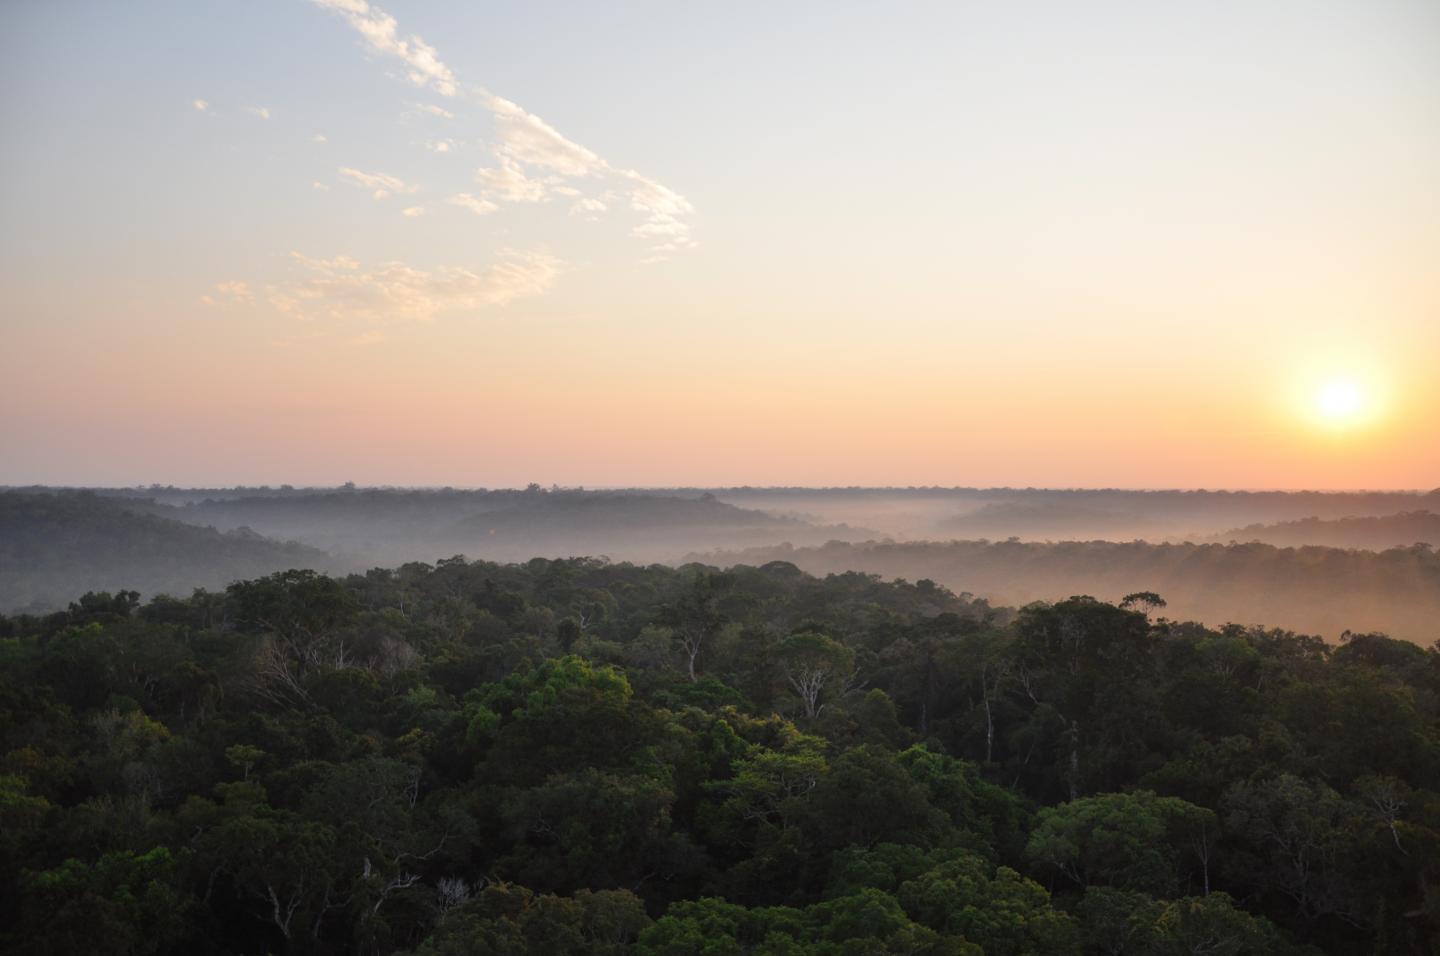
x: 657, y: 244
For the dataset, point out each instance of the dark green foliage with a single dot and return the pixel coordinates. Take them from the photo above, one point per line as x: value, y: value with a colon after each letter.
x: 54, y: 545
x: 521, y: 759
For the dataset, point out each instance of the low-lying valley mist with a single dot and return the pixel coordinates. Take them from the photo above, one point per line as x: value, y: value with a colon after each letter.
x: 1314, y: 563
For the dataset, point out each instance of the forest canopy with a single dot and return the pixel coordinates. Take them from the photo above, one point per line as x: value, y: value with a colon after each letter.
x: 576, y: 756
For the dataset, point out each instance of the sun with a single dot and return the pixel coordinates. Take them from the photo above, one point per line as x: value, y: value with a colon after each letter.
x: 1337, y: 393
x: 1342, y: 402
x: 1339, y: 400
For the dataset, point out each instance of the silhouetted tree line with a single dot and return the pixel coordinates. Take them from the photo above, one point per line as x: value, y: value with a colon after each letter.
x: 574, y: 756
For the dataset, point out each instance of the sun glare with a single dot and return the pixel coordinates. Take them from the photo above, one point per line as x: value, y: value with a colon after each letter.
x: 1342, y: 402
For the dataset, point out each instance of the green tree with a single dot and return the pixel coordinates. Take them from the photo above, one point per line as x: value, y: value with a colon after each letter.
x: 813, y: 665
x: 1130, y: 841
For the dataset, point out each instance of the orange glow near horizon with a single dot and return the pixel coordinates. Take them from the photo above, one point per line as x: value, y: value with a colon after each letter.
x: 1063, y: 252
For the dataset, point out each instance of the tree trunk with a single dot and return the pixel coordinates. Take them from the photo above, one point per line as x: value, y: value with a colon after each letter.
x: 1074, y: 760
x: 989, y: 719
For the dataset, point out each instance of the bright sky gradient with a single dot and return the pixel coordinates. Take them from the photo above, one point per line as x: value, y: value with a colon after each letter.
x: 1062, y: 244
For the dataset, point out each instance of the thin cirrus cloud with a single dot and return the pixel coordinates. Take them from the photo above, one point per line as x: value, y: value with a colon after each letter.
x: 342, y: 289
x: 480, y: 207
x: 534, y: 160
x: 509, y: 182
x: 423, y: 66
x: 259, y: 111
x: 533, y: 163
x: 238, y: 290
x: 381, y: 185
x: 201, y: 106
x: 234, y: 290
x: 588, y: 208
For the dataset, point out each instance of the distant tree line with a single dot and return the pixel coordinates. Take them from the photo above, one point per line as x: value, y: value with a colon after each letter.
x: 1323, y: 591
x: 1376, y: 533
x: 53, y: 546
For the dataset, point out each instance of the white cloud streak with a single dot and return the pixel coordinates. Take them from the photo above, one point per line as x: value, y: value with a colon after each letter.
x: 232, y: 291
x: 202, y: 106
x: 527, y: 138
x: 434, y: 110
x: 342, y: 289
x: 382, y: 185
x: 535, y: 161
x: 508, y: 182
x: 259, y: 111
x: 235, y: 289
x: 382, y: 34
x: 480, y: 207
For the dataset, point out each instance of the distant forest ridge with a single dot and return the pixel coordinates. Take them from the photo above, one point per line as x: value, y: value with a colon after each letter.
x: 1035, y: 514
x: 55, y: 544
x: 52, y: 544
x: 1383, y: 498
x: 1322, y: 591
x: 1374, y: 533
x: 59, y: 543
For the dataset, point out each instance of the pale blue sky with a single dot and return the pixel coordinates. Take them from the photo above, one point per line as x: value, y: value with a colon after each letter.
x: 989, y: 214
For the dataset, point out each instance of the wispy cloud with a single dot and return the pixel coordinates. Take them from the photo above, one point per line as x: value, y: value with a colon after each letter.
x: 382, y: 34
x: 383, y: 186
x: 234, y: 290
x: 319, y: 138
x: 434, y: 110
x: 480, y: 207
x: 413, y: 212
x: 664, y: 210
x: 342, y: 289
x: 202, y: 106
x: 317, y: 184
x: 527, y: 138
x: 508, y: 182
x: 535, y: 160
x: 589, y: 208
x: 440, y: 145
x: 260, y: 111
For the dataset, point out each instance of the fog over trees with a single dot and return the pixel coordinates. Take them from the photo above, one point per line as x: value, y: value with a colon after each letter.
x: 1350, y: 561
x: 1323, y: 591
